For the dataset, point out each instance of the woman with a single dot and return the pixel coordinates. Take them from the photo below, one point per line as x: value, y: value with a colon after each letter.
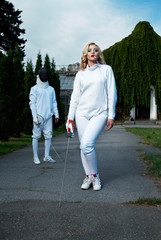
x: 92, y: 105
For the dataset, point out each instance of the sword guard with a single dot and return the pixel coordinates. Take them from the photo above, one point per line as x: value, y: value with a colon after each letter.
x: 70, y: 135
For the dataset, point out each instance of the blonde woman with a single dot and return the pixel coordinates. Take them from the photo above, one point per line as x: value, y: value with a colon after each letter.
x: 92, y: 105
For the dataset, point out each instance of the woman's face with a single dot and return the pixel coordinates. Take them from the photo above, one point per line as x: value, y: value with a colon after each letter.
x: 93, y: 53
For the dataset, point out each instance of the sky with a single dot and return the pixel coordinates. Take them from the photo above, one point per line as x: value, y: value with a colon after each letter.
x: 62, y: 28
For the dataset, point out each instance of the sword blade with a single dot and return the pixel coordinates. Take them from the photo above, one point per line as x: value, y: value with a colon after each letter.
x: 56, y: 152
x: 65, y: 162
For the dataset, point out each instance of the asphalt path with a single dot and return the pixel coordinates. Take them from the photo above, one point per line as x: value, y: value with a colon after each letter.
x: 46, y: 202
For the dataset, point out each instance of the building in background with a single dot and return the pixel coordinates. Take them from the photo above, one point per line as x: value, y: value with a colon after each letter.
x: 67, y: 76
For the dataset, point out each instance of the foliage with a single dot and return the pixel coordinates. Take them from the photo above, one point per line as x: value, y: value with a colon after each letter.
x: 29, y: 81
x: 17, y: 92
x: 4, y: 99
x: 11, y: 93
x: 47, y: 64
x: 11, y: 71
x: 10, y: 31
x: 136, y: 61
x: 38, y: 64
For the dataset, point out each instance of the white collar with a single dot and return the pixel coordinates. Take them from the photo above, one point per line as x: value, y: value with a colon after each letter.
x: 42, y: 84
x: 93, y: 67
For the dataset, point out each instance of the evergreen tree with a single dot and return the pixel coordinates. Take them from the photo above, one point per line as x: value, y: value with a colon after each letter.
x: 47, y: 63
x: 5, y: 102
x: 11, y: 71
x: 10, y: 31
x: 11, y: 94
x: 29, y: 81
x: 56, y: 84
x: 18, y: 100
x: 54, y: 81
x: 38, y: 64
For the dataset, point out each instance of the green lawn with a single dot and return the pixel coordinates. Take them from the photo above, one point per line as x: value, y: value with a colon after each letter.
x: 151, y: 136
x: 17, y: 143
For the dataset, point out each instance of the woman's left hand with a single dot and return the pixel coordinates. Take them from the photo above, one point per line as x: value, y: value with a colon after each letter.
x: 109, y: 124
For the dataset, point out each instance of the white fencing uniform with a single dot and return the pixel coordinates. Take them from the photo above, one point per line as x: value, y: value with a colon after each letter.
x: 43, y: 104
x: 92, y: 102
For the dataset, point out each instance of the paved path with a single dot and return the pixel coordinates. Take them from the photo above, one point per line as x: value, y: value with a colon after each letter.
x: 30, y: 206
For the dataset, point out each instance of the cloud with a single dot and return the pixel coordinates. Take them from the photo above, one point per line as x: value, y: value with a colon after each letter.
x: 62, y: 28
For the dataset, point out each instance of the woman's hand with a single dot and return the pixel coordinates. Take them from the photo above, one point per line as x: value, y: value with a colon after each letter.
x: 109, y: 124
x: 69, y: 126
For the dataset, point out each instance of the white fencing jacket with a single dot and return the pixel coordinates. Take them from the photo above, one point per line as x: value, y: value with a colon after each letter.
x: 94, y: 91
x: 43, y: 100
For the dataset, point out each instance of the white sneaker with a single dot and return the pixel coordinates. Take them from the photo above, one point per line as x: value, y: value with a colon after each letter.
x: 49, y: 159
x: 86, y: 183
x: 96, y: 182
x: 36, y: 160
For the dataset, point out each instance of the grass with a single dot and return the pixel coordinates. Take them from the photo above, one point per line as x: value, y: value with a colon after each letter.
x: 147, y: 201
x: 153, y: 162
x: 16, y: 143
x: 151, y: 136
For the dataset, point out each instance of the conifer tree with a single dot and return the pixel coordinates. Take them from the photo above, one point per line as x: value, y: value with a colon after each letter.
x: 18, y: 100
x: 4, y: 100
x: 29, y: 81
x: 56, y: 85
x: 11, y: 95
x: 10, y: 31
x: 38, y: 64
x: 11, y: 70
x: 47, y: 63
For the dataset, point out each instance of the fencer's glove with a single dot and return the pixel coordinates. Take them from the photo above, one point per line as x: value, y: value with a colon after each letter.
x: 36, y: 120
x: 69, y: 126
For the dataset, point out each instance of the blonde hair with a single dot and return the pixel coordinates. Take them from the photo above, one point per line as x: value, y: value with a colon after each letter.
x: 84, y: 59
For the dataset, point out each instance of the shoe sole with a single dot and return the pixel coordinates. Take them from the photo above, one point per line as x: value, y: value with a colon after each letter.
x: 86, y: 188
x: 97, y: 189
x: 49, y: 161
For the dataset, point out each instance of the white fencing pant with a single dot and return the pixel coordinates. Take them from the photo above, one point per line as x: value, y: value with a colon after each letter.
x: 35, y: 147
x: 46, y: 127
x: 47, y: 147
x: 88, y: 132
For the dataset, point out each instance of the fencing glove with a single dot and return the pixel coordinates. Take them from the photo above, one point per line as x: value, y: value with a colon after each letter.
x: 69, y: 126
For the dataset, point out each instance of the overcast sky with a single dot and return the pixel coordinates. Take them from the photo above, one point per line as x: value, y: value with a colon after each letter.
x: 61, y: 28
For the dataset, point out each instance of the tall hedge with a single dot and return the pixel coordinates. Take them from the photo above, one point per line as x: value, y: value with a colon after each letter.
x: 136, y: 61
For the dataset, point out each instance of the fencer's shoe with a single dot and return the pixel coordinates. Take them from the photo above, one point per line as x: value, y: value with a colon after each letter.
x: 96, y: 182
x: 36, y: 160
x: 49, y: 159
x: 87, y: 183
